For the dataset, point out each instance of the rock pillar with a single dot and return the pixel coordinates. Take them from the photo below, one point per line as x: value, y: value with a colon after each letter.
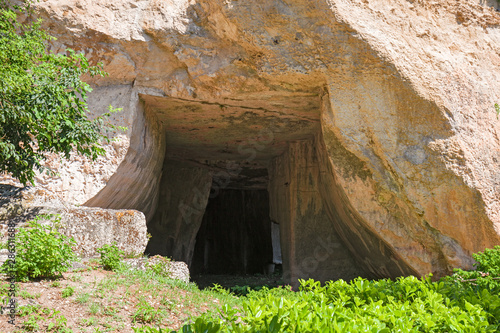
x: 184, y: 192
x: 310, y: 245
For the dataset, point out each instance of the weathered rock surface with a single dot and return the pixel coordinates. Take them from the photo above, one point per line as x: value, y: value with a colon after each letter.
x: 312, y: 246
x: 177, y: 270
x: 183, y: 197
x: 135, y: 183
x: 397, y: 95
x: 90, y: 227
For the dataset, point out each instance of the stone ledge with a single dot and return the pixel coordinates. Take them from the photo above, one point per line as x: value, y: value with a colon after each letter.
x: 90, y: 227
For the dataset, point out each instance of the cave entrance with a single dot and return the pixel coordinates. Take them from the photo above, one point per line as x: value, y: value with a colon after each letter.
x: 235, y: 236
x: 235, y: 174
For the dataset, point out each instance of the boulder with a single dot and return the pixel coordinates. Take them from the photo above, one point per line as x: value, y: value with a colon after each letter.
x: 90, y: 227
x: 176, y: 270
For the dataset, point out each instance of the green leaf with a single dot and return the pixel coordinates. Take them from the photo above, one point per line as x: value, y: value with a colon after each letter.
x: 42, y: 98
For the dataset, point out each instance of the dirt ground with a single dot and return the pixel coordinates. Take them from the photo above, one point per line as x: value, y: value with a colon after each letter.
x: 231, y: 281
x: 101, y: 302
x: 91, y: 299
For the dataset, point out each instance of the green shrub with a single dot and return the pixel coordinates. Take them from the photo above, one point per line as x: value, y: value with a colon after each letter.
x: 488, y: 261
x: 41, y: 251
x: 480, y: 286
x: 110, y: 256
x: 220, y: 289
x: 467, y: 301
x: 405, y: 305
x: 67, y: 292
x: 240, y: 290
x: 486, y: 273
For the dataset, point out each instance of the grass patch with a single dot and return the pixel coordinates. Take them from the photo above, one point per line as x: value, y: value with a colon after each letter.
x: 83, y: 298
x: 26, y: 295
x: 67, y: 292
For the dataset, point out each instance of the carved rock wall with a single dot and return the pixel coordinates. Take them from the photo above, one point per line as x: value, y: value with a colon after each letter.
x: 135, y: 183
x: 235, y: 234
x: 408, y: 147
x: 184, y: 192
x: 310, y: 244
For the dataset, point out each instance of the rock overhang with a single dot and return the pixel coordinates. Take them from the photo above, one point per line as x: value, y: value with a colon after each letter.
x: 239, y: 135
x: 217, y: 129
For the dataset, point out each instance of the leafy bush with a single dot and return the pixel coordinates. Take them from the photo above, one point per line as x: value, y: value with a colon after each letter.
x: 110, y: 256
x: 405, y: 305
x: 241, y: 290
x: 487, y: 272
x: 41, y: 251
x: 488, y: 261
x: 464, y: 302
x: 480, y: 286
x: 220, y: 289
x: 43, y: 98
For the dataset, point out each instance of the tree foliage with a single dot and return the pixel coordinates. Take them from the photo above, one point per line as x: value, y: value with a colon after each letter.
x: 42, y: 98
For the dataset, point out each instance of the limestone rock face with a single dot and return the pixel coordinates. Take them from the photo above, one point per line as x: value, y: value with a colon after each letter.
x: 311, y: 242
x: 80, y: 178
x: 183, y: 197
x: 135, y: 183
x: 90, y: 227
x: 397, y: 97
